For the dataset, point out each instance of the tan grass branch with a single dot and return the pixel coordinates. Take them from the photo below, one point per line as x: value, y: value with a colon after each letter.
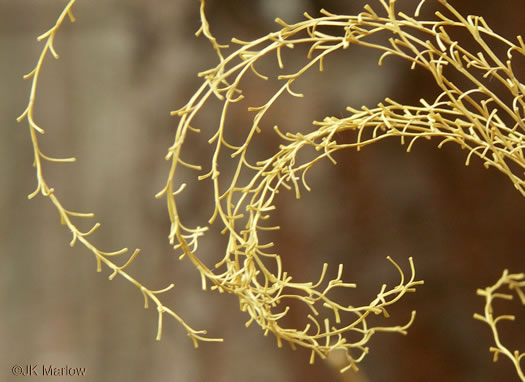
x: 515, y: 283
x: 66, y: 216
x: 474, y: 117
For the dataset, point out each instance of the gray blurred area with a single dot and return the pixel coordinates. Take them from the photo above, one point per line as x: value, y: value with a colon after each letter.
x: 123, y: 66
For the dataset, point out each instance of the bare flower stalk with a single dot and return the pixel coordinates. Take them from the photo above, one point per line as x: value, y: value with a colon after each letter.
x: 66, y: 216
x: 515, y: 283
x: 469, y: 113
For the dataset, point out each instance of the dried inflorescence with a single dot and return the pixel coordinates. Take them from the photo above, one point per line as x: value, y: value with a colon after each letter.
x: 67, y: 216
x: 515, y: 283
x: 472, y: 114
x: 473, y: 117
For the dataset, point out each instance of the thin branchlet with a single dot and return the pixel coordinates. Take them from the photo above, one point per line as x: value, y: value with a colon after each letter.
x: 66, y: 216
x: 515, y: 283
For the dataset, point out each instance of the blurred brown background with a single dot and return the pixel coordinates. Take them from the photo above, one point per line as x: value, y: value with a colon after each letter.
x: 124, y: 65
